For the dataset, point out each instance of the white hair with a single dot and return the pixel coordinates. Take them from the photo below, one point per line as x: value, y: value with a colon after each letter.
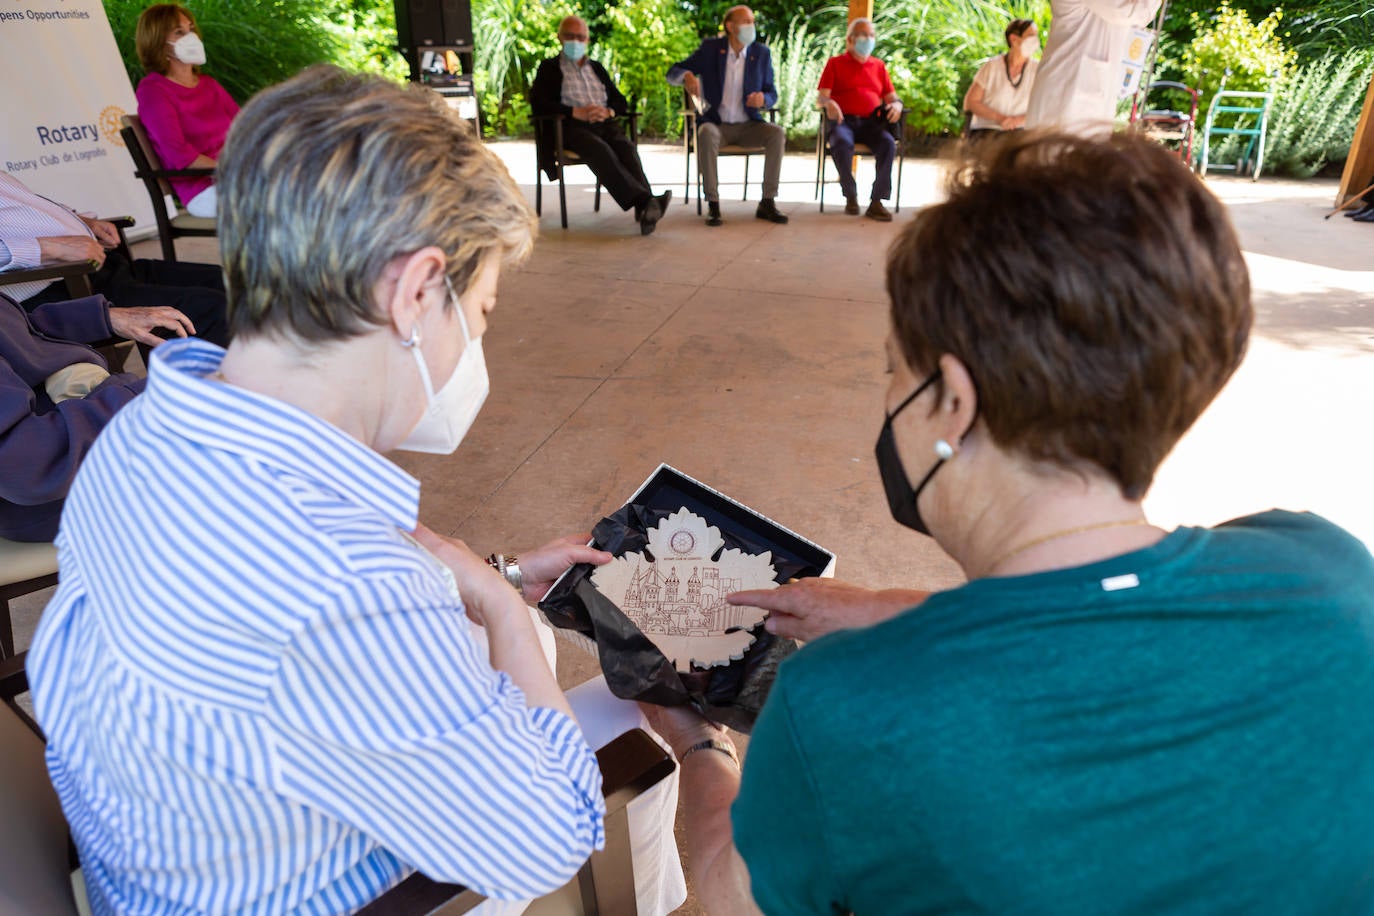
x: 862, y: 20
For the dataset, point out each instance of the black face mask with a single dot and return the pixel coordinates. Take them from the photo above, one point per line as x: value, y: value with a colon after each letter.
x: 901, y: 498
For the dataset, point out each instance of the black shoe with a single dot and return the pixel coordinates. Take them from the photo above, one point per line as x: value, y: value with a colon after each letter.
x: 648, y: 219
x: 1359, y: 211
x: 713, y: 213
x: 1364, y: 216
x: 769, y: 211
x: 851, y: 206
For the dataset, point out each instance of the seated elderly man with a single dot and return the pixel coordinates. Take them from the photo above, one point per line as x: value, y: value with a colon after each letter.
x: 579, y: 89
x: 34, y: 229
x: 859, y: 100
x: 732, y: 77
x: 55, y: 398
x: 286, y: 693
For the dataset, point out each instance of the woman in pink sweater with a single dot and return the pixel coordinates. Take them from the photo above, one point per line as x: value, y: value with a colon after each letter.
x: 185, y: 113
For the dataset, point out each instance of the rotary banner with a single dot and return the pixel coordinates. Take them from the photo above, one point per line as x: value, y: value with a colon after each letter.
x: 65, y: 91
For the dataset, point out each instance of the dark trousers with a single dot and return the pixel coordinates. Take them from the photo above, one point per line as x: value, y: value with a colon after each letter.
x: 873, y: 133
x: 196, y: 290
x: 612, y: 157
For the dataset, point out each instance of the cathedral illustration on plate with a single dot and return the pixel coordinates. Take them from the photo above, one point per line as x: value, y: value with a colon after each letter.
x: 663, y: 605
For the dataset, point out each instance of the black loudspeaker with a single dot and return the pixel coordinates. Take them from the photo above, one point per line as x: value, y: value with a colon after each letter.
x: 419, y: 23
x: 457, y: 21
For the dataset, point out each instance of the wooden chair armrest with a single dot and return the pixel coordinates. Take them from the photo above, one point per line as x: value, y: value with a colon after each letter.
x: 121, y: 223
x: 630, y: 765
x: 76, y: 275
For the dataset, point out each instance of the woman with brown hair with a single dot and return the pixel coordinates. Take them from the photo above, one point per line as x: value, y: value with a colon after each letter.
x: 1001, y: 89
x: 186, y: 113
x: 1108, y: 717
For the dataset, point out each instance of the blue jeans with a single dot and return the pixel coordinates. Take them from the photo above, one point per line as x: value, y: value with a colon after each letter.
x: 873, y: 133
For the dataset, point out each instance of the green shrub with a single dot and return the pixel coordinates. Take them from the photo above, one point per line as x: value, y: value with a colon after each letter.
x: 1228, y: 39
x: 932, y: 91
x: 365, y: 33
x: 1315, y: 111
x: 799, y: 56
x: 644, y: 39
x: 248, y: 44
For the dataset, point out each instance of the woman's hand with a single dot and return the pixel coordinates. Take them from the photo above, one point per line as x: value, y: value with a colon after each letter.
x: 542, y: 566
x: 808, y: 609
x: 486, y: 595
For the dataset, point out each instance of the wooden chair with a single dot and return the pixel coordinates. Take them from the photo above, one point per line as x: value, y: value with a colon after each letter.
x: 690, y: 123
x: 566, y: 157
x: 148, y: 167
x: 36, y: 866
x: 76, y: 275
x: 860, y: 149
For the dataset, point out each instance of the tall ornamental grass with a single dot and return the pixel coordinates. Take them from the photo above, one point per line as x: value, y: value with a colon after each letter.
x: 1315, y: 112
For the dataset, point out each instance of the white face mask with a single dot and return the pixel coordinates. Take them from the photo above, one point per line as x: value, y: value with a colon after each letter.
x: 189, y: 49
x: 449, y: 413
x: 1030, y: 44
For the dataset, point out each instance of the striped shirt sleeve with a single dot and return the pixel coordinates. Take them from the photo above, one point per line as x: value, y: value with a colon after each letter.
x: 392, y: 721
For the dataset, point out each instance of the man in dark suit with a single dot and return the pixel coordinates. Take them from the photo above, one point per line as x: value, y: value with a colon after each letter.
x: 734, y: 77
x: 580, y: 90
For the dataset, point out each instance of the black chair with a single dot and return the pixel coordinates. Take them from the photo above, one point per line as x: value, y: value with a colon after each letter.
x: 36, y: 861
x: 148, y: 167
x: 566, y: 157
x: 690, y: 123
x: 898, y: 131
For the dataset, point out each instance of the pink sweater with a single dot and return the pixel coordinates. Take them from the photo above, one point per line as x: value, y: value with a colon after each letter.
x: 184, y: 123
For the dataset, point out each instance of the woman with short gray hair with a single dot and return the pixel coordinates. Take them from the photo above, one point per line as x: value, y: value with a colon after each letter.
x: 285, y: 693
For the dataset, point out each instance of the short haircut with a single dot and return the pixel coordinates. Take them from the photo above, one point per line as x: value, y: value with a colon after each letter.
x: 150, y: 35
x: 730, y: 13
x: 862, y: 20
x: 329, y: 176
x: 567, y: 19
x: 1018, y: 28
x: 1094, y: 289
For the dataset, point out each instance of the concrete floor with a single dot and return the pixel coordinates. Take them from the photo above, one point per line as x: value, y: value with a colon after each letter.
x: 750, y: 356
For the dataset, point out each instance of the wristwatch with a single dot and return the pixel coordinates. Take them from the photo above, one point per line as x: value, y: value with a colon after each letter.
x: 509, y: 568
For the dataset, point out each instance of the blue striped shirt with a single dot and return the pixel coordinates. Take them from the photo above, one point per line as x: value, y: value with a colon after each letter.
x: 266, y: 698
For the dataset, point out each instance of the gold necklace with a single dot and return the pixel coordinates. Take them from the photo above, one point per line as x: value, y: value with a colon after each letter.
x: 1055, y: 535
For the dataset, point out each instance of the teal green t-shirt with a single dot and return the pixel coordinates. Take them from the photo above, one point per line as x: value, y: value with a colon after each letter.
x: 1184, y: 729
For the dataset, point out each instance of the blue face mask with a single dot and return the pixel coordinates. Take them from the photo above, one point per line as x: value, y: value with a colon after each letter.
x: 745, y: 35
x: 863, y: 46
x: 574, y: 50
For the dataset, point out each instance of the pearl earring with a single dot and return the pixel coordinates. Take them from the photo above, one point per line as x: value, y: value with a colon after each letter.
x: 943, y: 450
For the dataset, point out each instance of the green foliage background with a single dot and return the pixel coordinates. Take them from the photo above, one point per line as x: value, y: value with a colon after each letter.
x: 1321, y: 52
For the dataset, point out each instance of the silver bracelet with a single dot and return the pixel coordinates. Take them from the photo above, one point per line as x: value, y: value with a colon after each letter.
x: 509, y: 568
x: 712, y: 744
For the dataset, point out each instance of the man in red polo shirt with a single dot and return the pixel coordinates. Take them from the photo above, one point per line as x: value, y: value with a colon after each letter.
x: 859, y: 100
